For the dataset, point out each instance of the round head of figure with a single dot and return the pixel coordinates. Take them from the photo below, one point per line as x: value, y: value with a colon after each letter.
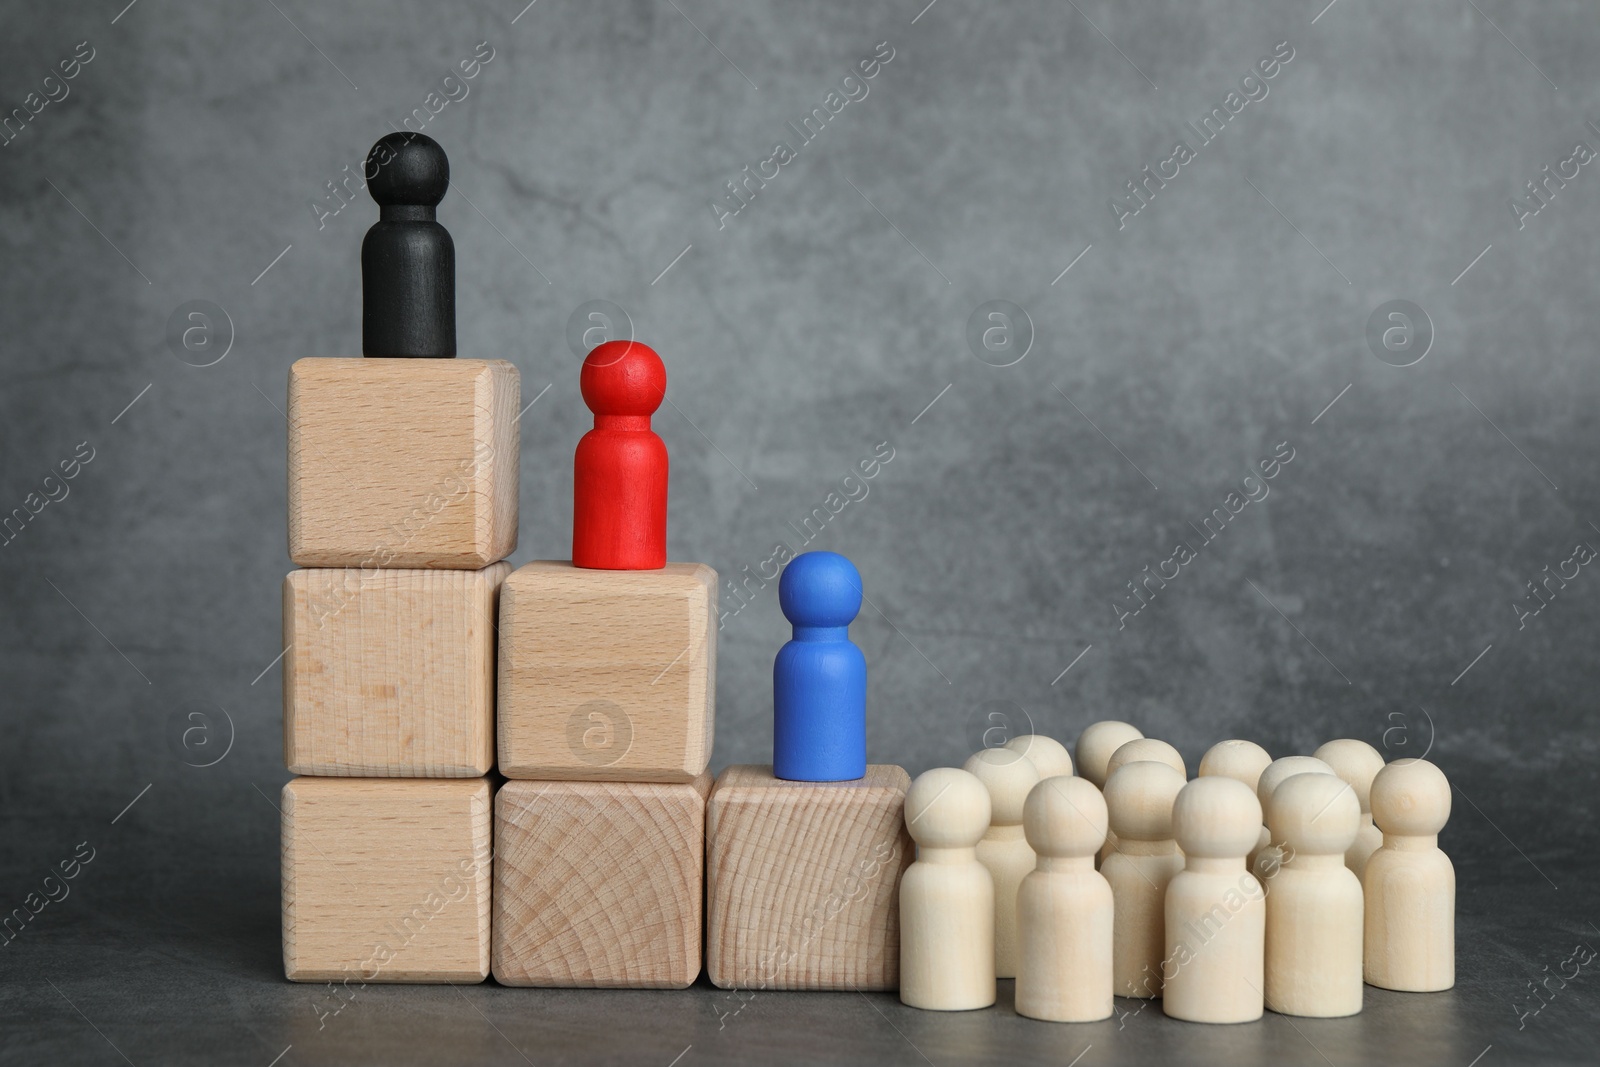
x: 1146, y: 748
x: 623, y: 378
x: 1281, y: 770
x: 1356, y: 762
x: 1243, y: 761
x: 947, y: 808
x: 1411, y: 798
x: 820, y: 589
x: 1216, y: 818
x: 1009, y: 777
x: 407, y: 169
x: 1065, y: 816
x: 1314, y: 814
x: 1096, y: 744
x: 1048, y: 755
x: 1139, y: 797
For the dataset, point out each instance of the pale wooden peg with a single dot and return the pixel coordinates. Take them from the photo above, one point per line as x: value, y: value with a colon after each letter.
x: 1266, y: 856
x: 1064, y: 908
x: 1357, y: 763
x: 947, y: 896
x: 1240, y: 760
x: 1096, y: 744
x: 1216, y: 911
x: 1048, y: 755
x: 1139, y: 797
x: 1140, y: 748
x: 1410, y: 884
x: 1009, y: 776
x: 1146, y: 748
x: 1314, y: 912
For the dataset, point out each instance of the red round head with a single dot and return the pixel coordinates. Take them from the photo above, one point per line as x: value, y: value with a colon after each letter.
x: 623, y: 378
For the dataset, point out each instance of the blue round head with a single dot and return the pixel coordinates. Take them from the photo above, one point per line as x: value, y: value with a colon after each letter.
x: 820, y: 589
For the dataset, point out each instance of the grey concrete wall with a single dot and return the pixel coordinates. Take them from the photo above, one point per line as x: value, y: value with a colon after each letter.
x: 1186, y: 342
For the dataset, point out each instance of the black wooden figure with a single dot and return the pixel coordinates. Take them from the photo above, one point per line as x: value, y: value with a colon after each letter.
x: 408, y: 262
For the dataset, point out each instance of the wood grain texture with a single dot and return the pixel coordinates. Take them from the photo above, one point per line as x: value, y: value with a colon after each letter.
x: 607, y: 675
x: 599, y: 884
x: 390, y: 673
x: 386, y: 881
x: 402, y: 462
x: 803, y: 880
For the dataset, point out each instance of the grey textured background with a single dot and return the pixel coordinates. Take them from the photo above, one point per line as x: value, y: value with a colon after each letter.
x: 822, y: 320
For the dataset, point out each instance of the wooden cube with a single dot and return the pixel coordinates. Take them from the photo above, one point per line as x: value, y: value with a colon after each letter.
x: 390, y: 673
x: 599, y: 884
x: 803, y: 880
x: 386, y: 881
x: 402, y: 462
x: 607, y: 676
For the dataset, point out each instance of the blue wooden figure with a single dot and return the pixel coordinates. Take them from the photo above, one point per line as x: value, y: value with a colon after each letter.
x: 819, y: 680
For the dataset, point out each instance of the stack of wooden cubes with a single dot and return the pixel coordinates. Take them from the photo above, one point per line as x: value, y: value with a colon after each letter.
x: 607, y: 707
x: 402, y: 505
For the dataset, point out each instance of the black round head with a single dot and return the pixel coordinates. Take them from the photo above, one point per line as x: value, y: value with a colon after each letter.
x: 407, y: 168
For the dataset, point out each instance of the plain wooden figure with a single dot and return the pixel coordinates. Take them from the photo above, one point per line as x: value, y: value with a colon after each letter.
x: 1134, y: 751
x: 1268, y: 854
x: 1146, y: 749
x: 1357, y: 763
x: 619, y: 513
x: 1009, y: 776
x: 1314, y: 911
x: 1049, y: 756
x: 947, y: 896
x: 1096, y: 744
x: 1139, y: 797
x: 1064, y: 908
x: 1216, y: 912
x: 408, y: 262
x: 819, y: 678
x: 1410, y: 884
x: 1240, y: 760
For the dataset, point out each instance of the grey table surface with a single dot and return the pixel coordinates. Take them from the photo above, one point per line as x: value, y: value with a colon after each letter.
x: 166, y: 950
x: 1380, y: 586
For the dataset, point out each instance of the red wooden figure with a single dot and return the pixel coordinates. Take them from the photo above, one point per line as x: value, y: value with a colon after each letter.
x: 619, y: 515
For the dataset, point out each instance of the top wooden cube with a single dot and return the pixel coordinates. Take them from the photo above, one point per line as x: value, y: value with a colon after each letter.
x: 403, y: 462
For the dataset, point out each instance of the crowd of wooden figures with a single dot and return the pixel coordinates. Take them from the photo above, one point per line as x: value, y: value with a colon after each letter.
x: 418, y: 664
x: 1284, y: 884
